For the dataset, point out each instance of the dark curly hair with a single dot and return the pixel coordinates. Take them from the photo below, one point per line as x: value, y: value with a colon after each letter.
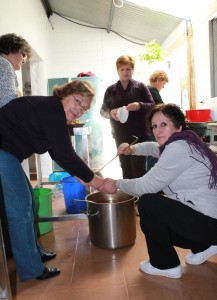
x: 12, y: 43
x: 171, y: 111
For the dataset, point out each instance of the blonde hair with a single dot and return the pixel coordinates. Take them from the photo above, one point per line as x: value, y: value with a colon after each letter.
x: 158, y: 75
x: 82, y: 87
x: 125, y: 60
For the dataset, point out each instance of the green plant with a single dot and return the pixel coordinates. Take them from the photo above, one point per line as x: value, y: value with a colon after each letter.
x: 153, y: 52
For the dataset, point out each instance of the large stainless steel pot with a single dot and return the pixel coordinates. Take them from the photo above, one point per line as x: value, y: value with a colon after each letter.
x: 112, y: 219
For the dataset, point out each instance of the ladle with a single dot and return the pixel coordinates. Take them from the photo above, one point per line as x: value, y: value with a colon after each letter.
x: 136, y: 139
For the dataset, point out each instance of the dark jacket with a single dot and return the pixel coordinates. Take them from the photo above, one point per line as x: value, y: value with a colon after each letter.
x: 37, y: 124
x: 115, y: 96
x: 155, y: 94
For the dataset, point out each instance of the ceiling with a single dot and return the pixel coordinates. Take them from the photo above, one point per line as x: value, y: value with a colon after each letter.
x: 135, y: 23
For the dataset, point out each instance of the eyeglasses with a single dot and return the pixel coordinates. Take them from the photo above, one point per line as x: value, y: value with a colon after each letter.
x: 79, y: 103
x: 24, y: 57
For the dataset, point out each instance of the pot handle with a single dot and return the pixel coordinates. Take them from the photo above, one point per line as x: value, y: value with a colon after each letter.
x: 84, y: 201
x: 136, y: 200
x: 87, y: 213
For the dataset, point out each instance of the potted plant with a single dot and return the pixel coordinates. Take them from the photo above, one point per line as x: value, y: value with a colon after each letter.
x: 153, y: 52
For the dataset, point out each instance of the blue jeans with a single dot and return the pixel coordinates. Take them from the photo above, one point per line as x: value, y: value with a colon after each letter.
x: 19, y: 203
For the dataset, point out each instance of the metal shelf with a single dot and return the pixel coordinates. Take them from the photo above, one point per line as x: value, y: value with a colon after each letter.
x: 84, y: 132
x: 5, y: 289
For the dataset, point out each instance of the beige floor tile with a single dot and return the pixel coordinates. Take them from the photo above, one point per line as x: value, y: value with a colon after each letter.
x: 158, y: 289
x: 93, y: 273
x: 87, y: 251
x: 100, y: 293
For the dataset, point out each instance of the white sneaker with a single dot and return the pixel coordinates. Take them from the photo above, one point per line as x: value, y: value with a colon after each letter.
x: 201, y: 257
x: 146, y: 267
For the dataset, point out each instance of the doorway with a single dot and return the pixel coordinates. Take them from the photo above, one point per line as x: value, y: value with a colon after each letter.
x: 29, y: 165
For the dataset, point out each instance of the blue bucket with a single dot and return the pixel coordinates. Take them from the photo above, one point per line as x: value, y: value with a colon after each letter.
x: 72, y: 190
x: 58, y: 176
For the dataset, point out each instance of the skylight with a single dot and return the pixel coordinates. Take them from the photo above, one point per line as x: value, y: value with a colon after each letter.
x: 184, y: 9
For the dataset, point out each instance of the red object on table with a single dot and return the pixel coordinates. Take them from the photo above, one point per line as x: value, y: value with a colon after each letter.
x: 198, y: 115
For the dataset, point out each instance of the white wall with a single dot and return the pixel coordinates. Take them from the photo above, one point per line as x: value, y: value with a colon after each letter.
x: 200, y: 23
x: 28, y: 19
x: 78, y: 49
x: 201, y: 51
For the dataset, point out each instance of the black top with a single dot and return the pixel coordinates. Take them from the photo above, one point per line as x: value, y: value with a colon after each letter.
x: 155, y: 94
x: 136, y: 124
x: 37, y: 124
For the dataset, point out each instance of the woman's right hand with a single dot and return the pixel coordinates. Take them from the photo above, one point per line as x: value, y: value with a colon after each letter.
x: 113, y: 114
x: 125, y: 149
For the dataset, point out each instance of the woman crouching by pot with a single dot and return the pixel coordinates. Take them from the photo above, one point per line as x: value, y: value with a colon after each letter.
x: 186, y: 216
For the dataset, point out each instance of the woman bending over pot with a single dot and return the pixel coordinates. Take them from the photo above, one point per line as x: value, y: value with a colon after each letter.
x: 186, y: 216
x: 38, y: 124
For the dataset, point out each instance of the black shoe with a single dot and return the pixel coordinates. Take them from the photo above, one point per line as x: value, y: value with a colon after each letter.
x: 48, y: 256
x: 48, y: 273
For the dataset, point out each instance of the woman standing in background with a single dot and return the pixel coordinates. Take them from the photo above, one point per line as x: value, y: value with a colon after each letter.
x: 157, y: 81
x: 14, y: 51
x: 135, y: 96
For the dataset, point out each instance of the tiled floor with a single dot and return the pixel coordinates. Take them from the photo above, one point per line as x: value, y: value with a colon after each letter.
x: 89, y: 272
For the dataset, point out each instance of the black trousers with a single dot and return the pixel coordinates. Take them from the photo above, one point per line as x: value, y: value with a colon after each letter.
x: 132, y: 166
x: 167, y: 223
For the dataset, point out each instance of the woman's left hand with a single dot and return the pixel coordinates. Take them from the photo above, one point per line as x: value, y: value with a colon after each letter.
x: 108, y: 186
x: 96, y: 182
